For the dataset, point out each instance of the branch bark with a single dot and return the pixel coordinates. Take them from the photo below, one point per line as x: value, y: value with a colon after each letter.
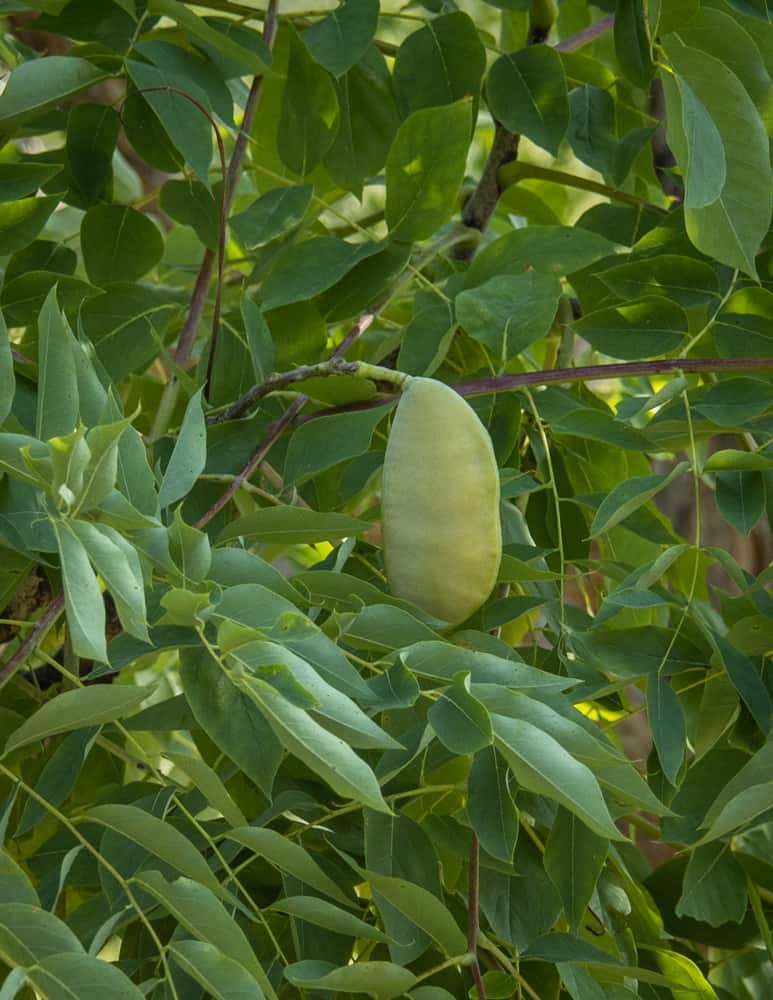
x: 43, y: 624
x: 200, y: 288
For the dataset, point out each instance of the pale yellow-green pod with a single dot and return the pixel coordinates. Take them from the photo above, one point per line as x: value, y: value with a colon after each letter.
x: 440, y: 504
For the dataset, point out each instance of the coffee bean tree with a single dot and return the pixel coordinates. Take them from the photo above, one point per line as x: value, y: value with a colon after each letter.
x: 508, y: 737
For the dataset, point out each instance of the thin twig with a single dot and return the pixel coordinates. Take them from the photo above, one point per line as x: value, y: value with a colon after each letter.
x: 42, y: 625
x: 280, y: 380
x: 473, y: 914
x: 199, y: 296
x: 588, y: 373
x: 273, y: 431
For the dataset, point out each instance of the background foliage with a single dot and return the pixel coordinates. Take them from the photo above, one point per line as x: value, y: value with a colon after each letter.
x: 233, y: 765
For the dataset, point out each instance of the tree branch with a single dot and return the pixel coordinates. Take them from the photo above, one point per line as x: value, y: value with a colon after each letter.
x: 42, y: 626
x: 588, y: 373
x: 587, y: 35
x: 199, y: 296
x: 473, y: 914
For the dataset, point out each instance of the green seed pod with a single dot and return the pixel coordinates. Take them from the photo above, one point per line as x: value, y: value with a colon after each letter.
x: 440, y: 504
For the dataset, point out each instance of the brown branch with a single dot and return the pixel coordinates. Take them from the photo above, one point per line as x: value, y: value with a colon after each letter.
x: 42, y: 626
x: 201, y: 286
x: 588, y: 373
x: 473, y: 914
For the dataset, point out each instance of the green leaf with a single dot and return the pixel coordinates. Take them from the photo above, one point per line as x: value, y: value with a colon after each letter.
x: 527, y: 93
x: 202, y: 30
x: 221, y: 977
x: 714, y: 889
x: 92, y: 134
x: 334, y: 709
x: 119, y: 244
x: 83, y: 603
x: 289, y: 857
x: 202, y: 914
x: 58, y: 776
x: 305, y: 269
x: 15, y: 889
x: 746, y: 680
x: 116, y: 561
x: 442, y: 661
x: 743, y: 329
x: 85, y: 707
x: 325, y: 754
x: 184, y: 123
x: 126, y: 325
x: 101, y: 472
x: 719, y: 34
x: 40, y: 84
x: 19, y: 180
x: 509, y: 312
x: 190, y: 203
x: 21, y: 221
x: 635, y: 330
x: 326, y: 441
x: 196, y: 70
x: 428, y: 335
x: 574, y: 857
x: 439, y: 64
x: 683, y: 280
x: 735, y: 401
x: 632, y: 43
x: 308, y: 119
x: 368, y: 122
x: 230, y: 718
x: 424, y: 170
x: 293, y: 526
x: 635, y: 652
x: 320, y: 912
x: 339, y: 40
x: 257, y: 607
x: 541, y: 765
x: 29, y: 934
x: 420, y: 907
x: 732, y: 460
x: 740, y: 498
x: 161, y: 839
x: 7, y: 377
x: 629, y: 496
x: 189, y: 455
x: 460, y: 721
x: 666, y: 718
x: 490, y: 805
x: 62, y: 977
x: 557, y: 250
x: 732, y: 225
x: 273, y: 214
x: 593, y: 133
x: 381, y: 980
x: 57, y: 404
